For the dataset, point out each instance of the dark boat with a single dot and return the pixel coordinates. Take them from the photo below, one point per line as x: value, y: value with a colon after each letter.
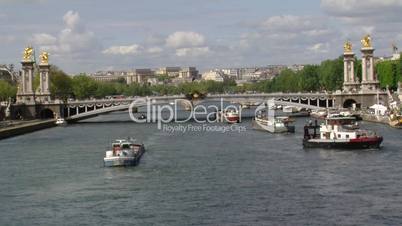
x: 334, y: 135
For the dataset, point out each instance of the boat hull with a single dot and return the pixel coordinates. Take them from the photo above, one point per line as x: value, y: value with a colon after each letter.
x: 361, y: 143
x: 272, y: 129
x: 120, y: 161
x: 232, y: 119
x: 116, y: 161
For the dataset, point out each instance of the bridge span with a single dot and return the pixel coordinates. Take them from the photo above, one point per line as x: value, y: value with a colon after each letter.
x: 79, y: 110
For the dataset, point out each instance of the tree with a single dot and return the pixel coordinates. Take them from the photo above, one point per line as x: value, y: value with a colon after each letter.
x: 83, y: 86
x: 105, y: 89
x: 7, y: 90
x: 331, y: 74
x: 60, y: 84
x: 387, y: 72
x: 308, y: 78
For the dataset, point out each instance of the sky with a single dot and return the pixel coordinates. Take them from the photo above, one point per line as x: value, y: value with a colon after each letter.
x: 89, y: 35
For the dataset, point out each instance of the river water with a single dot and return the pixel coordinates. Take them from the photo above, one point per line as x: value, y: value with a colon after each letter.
x: 56, y: 177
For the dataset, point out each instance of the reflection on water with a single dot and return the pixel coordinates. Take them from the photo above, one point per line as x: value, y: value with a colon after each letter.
x: 56, y: 176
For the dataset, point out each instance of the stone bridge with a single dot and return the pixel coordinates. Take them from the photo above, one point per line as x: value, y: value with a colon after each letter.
x: 79, y: 110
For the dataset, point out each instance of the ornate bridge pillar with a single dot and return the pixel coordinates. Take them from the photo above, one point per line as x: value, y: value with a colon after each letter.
x: 44, y: 93
x: 350, y: 83
x: 25, y: 92
x: 369, y: 80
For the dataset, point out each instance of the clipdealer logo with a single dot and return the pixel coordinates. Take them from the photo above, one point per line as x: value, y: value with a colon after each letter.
x: 166, y: 117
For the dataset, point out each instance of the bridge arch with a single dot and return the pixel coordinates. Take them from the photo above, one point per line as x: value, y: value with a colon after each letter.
x: 348, y: 103
x: 46, y: 114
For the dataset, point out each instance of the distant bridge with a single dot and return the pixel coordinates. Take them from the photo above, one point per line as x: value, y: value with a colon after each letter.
x: 79, y: 110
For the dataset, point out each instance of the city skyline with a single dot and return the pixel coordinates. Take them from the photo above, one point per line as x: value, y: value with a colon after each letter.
x: 207, y: 34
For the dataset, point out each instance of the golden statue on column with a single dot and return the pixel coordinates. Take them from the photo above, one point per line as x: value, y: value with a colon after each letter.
x: 347, y: 47
x: 366, y: 41
x: 27, y: 56
x: 44, y: 58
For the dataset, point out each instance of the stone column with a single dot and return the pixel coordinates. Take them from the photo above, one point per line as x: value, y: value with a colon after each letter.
x: 364, y: 69
x: 25, y: 93
x: 372, y: 69
x: 44, y: 94
x: 349, y: 82
x: 369, y: 82
x: 345, y: 72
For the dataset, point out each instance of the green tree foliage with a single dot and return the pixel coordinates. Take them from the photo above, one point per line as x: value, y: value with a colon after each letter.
x: 60, y: 84
x: 136, y: 89
x: 308, y: 79
x: 83, y: 86
x: 331, y: 74
x: 388, y: 73
x: 400, y: 68
x: 7, y: 90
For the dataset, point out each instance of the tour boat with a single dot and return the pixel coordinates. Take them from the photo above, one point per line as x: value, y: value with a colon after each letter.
x: 245, y: 106
x: 273, y: 124
x: 229, y: 116
x: 290, y: 109
x: 61, y: 122
x: 321, y: 114
x: 334, y: 134
x: 124, y: 153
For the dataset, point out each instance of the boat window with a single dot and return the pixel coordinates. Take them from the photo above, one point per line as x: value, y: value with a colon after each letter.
x: 347, y: 135
x: 125, y: 146
x: 339, y: 135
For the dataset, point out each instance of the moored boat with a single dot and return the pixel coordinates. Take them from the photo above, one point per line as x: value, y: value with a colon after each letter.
x: 61, y: 122
x: 334, y: 134
x: 229, y: 116
x: 273, y: 124
x: 124, y: 153
x: 320, y: 114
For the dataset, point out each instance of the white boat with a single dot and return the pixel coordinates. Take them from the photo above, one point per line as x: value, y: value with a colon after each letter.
x: 245, y: 106
x: 61, y: 122
x: 124, y: 153
x: 273, y: 124
x: 290, y: 109
x: 321, y: 114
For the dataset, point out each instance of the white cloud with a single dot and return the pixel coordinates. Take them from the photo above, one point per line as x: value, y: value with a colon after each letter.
x: 71, y: 19
x: 183, y: 39
x: 319, y: 48
x: 123, y: 50
x: 44, y: 39
x: 193, y: 52
x: 357, y: 8
x: 74, y: 39
x: 154, y: 50
x: 380, y: 18
x: 289, y: 23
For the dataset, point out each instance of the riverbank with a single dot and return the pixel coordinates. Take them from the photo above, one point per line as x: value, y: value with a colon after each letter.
x: 25, y: 127
x: 375, y: 118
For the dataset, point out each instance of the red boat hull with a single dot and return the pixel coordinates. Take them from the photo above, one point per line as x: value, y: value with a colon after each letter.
x: 358, y: 143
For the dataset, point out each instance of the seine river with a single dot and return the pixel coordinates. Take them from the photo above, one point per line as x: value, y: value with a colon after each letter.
x: 56, y: 177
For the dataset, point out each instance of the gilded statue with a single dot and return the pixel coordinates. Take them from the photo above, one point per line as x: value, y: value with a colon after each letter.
x: 28, y: 54
x: 347, y: 47
x: 44, y: 58
x: 366, y: 41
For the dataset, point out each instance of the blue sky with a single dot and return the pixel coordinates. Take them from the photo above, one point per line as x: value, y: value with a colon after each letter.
x: 86, y: 36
